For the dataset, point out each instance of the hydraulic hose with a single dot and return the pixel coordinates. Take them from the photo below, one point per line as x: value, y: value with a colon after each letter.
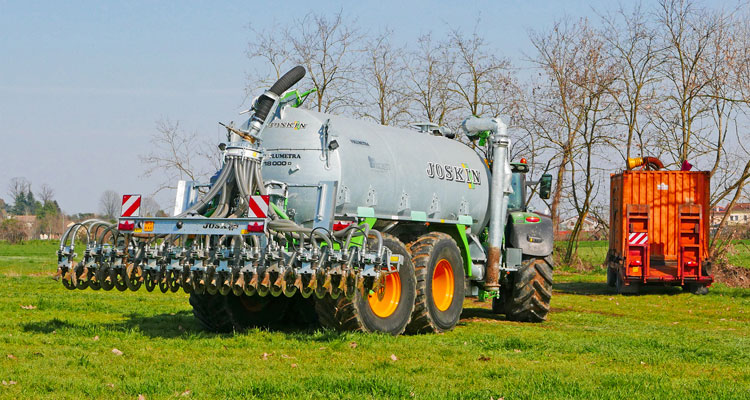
x: 218, y: 184
x: 259, y: 180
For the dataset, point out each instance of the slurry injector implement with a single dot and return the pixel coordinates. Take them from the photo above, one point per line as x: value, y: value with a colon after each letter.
x: 361, y: 226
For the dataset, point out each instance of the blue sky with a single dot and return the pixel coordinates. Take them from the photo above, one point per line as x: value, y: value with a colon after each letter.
x: 82, y: 84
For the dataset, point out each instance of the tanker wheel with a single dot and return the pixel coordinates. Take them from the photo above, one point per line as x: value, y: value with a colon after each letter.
x: 222, y: 314
x: 528, y: 297
x: 440, y: 283
x: 388, y: 310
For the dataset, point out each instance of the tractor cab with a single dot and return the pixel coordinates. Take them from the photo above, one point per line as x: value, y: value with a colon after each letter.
x: 517, y: 200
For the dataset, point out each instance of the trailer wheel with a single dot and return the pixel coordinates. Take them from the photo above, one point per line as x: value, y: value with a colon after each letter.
x: 611, y: 276
x: 633, y: 288
x: 387, y: 311
x: 696, y: 288
x: 529, y: 296
x: 223, y: 314
x: 438, y: 266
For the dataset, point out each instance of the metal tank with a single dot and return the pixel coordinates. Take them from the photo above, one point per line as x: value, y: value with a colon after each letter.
x: 381, y: 171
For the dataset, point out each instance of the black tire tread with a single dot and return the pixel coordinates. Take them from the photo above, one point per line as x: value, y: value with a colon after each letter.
x: 529, y: 298
x: 212, y: 312
x: 421, y: 321
x: 342, y: 314
x: 226, y: 314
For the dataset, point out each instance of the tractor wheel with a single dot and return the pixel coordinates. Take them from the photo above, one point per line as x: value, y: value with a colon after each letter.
x: 696, y: 288
x: 611, y: 276
x: 387, y: 311
x: 527, y: 300
x: 439, y: 269
x: 217, y: 313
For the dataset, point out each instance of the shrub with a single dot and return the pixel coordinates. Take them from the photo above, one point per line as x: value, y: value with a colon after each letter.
x: 13, y: 231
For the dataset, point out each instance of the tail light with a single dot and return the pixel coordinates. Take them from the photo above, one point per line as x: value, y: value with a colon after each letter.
x: 340, y: 226
x: 532, y: 218
x: 635, y: 267
x: 126, y: 225
x: 255, y: 227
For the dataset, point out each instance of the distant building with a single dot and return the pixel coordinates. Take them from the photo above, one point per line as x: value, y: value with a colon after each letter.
x: 591, y: 229
x: 738, y: 215
x: 589, y: 224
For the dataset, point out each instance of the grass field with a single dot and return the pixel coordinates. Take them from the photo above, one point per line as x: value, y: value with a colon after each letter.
x: 664, y: 344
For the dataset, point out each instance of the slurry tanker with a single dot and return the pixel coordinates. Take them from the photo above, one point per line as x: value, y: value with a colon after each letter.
x: 359, y: 226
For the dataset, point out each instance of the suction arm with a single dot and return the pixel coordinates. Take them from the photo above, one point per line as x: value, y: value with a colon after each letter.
x: 266, y: 101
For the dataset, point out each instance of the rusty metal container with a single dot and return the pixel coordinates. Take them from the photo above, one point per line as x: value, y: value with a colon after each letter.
x: 659, y: 229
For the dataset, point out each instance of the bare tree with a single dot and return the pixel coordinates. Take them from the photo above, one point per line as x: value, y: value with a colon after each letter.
x: 46, y: 194
x: 631, y: 39
x: 430, y: 70
x: 273, y: 53
x: 382, y: 81
x: 689, y: 34
x: 324, y: 47
x: 18, y: 186
x: 733, y: 165
x: 580, y: 75
x: 483, y: 83
x: 178, y: 155
x: 558, y: 101
x: 109, y: 204
x: 149, y: 207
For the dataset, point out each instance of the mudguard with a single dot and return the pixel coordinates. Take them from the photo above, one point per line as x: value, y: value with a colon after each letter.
x: 530, y: 232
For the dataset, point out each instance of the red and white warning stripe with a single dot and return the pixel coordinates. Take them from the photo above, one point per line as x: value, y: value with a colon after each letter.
x: 638, y: 238
x: 131, y: 205
x: 258, y: 207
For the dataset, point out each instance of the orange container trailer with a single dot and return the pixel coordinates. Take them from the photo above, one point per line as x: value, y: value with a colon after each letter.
x: 659, y: 223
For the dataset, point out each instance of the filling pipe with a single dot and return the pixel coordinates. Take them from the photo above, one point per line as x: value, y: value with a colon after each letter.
x: 500, y: 188
x: 651, y: 163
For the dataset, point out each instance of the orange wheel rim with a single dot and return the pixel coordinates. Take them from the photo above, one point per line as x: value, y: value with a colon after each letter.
x: 385, y: 301
x: 443, y: 285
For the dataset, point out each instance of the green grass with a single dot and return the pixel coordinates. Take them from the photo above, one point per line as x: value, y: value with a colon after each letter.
x: 740, y: 255
x: 664, y: 344
x: 594, y: 252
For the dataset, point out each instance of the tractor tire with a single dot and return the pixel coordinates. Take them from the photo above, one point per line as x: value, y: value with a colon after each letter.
x: 527, y: 300
x: 611, y: 276
x: 224, y: 314
x: 388, y: 311
x: 439, y: 270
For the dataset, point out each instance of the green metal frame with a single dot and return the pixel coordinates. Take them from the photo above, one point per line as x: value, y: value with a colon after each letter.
x: 358, y: 240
